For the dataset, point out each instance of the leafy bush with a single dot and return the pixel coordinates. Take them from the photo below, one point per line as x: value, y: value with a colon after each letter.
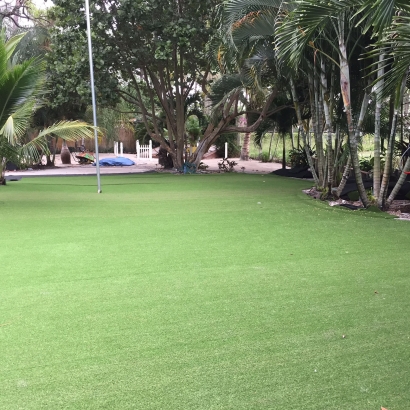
x: 193, y: 128
x: 227, y: 166
x: 298, y: 157
x: 366, y: 163
x: 264, y: 157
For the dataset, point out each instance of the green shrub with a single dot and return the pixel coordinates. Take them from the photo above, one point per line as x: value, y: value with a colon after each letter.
x: 298, y: 157
x: 264, y: 157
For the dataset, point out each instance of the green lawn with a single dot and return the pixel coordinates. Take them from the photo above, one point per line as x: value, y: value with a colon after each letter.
x: 199, y: 292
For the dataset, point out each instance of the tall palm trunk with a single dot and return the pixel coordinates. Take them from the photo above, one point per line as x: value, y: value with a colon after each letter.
x: 377, y: 126
x: 283, y: 151
x: 338, y: 149
x: 246, y: 141
x: 245, y: 147
x: 302, y: 131
x: 318, y: 135
x: 399, y: 183
x: 359, y: 128
x: 390, y: 146
x: 345, y: 90
x: 328, y: 120
x: 345, y: 176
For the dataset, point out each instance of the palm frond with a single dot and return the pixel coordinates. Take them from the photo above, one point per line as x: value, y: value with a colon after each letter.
x: 379, y: 14
x: 19, y: 84
x: 301, y: 28
x: 255, y: 25
x: 12, y: 43
x: 17, y: 123
x: 66, y: 130
x: 224, y: 86
x: 69, y: 130
x: 395, y: 45
x: 235, y: 10
x: 7, y: 150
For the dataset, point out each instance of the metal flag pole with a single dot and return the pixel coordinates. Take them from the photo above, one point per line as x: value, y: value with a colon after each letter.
x: 90, y: 54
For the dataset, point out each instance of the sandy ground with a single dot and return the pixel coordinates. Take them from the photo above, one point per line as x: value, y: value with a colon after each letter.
x: 141, y: 165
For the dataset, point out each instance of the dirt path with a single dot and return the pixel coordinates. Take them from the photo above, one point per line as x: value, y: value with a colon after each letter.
x: 141, y: 165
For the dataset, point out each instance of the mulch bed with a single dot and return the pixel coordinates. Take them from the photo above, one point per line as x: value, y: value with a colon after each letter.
x: 399, y: 208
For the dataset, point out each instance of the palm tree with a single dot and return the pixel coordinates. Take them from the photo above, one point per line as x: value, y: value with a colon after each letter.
x: 270, y: 22
x: 312, y: 25
x: 311, y: 36
x: 394, y: 51
x: 21, y: 86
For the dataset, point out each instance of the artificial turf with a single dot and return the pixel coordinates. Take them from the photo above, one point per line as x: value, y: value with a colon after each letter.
x: 199, y: 292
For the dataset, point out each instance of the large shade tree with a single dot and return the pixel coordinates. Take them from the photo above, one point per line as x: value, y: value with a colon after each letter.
x: 160, y: 53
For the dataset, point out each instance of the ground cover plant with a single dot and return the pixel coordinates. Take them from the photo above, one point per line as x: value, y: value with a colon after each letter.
x: 198, y: 292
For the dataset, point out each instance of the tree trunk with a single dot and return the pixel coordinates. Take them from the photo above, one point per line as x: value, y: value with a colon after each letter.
x: 51, y: 155
x: 345, y: 176
x: 317, y: 135
x: 270, y: 145
x: 399, y: 184
x: 283, y: 152
x: 302, y: 131
x: 402, y: 177
x: 359, y: 127
x: 377, y: 126
x: 291, y: 137
x: 345, y: 90
x: 338, y: 149
x: 388, y: 165
x: 328, y: 120
x: 381, y: 201
x: 245, y: 147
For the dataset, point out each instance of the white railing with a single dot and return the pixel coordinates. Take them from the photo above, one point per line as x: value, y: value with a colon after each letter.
x: 144, y: 151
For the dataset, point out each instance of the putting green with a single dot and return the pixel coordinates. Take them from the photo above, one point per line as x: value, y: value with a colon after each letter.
x: 199, y: 292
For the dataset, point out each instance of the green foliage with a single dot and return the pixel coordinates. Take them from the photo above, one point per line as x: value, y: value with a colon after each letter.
x: 298, y: 157
x: 233, y: 148
x: 265, y: 157
x: 353, y: 196
x: 400, y: 148
x: 8, y: 151
x: 21, y: 86
x: 227, y: 166
x: 193, y: 128
x: 366, y: 163
x: 68, y: 69
x: 157, y: 60
x: 110, y: 120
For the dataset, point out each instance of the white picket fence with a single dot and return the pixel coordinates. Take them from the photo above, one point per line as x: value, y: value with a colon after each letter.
x: 144, y: 151
x: 119, y: 152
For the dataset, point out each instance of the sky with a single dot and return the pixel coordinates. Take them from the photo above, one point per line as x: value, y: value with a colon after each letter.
x: 43, y: 3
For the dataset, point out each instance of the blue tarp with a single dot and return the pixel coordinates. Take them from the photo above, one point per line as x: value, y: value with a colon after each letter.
x: 116, y: 162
